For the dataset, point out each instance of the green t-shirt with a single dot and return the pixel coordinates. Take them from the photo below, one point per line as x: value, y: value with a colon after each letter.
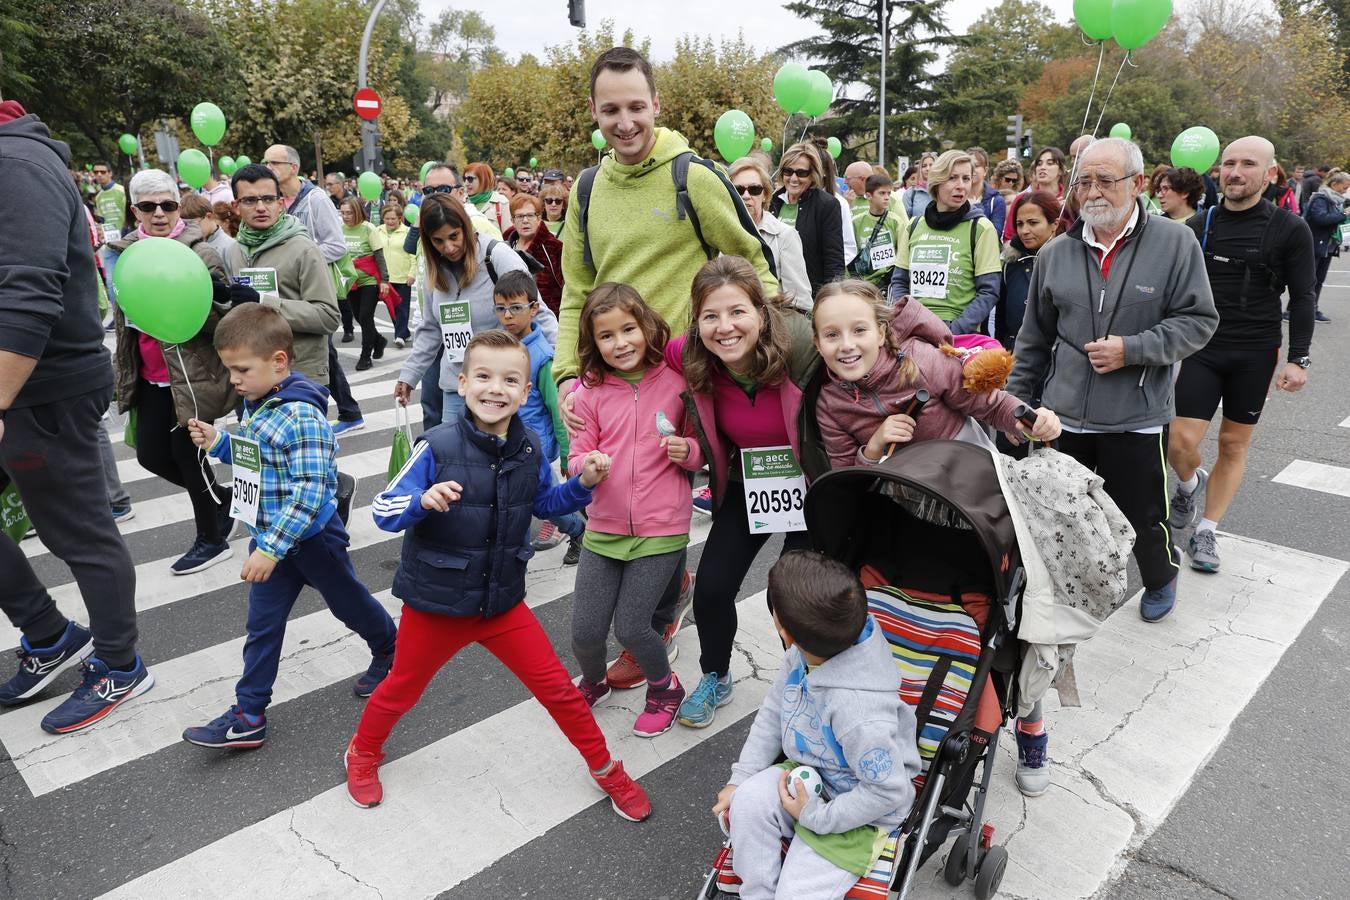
x: 363, y: 239
x: 111, y: 206
x: 943, y: 268
x: 556, y: 227
x: 788, y: 215
x: 890, y: 243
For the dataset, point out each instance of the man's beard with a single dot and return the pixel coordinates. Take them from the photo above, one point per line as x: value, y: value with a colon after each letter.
x: 1107, y: 217
x: 1243, y: 191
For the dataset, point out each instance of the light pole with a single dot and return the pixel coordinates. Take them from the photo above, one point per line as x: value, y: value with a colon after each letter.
x: 881, y: 93
x: 370, y: 132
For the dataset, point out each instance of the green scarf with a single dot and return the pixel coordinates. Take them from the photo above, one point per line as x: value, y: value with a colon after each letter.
x: 282, y: 230
x: 480, y: 197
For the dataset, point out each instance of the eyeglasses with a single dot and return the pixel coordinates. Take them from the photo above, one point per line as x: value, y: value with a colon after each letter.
x: 754, y: 190
x: 555, y: 201
x: 1164, y: 188
x: 514, y: 309
x: 265, y: 200
x: 1084, y: 185
x: 524, y: 217
x: 279, y: 162
x: 439, y: 189
x: 800, y: 173
x: 149, y: 206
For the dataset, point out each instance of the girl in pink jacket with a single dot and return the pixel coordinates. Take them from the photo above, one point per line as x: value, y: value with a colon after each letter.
x: 878, y: 359
x: 638, y: 521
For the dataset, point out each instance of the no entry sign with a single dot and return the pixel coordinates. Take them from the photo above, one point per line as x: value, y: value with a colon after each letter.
x: 367, y: 104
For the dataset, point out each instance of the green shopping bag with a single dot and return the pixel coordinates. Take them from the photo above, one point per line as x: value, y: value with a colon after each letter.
x: 13, y: 517
x: 401, y: 452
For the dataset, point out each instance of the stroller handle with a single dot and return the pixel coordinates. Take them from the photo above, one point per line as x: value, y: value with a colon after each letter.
x: 1026, y: 415
x: 913, y: 410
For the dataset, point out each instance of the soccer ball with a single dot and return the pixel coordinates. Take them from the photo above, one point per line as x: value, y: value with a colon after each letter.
x: 808, y: 777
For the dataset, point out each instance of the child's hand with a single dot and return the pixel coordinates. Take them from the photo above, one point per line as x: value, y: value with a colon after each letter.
x: 677, y: 448
x: 439, y: 496
x: 896, y: 429
x: 574, y: 423
x: 595, y: 468
x: 722, y: 808
x: 202, y: 433
x: 793, y: 805
x: 258, y: 567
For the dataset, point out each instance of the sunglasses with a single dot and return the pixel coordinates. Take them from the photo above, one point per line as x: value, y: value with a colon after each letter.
x: 470, y: 178
x: 439, y: 189
x: 800, y: 173
x: 555, y: 201
x: 754, y: 190
x: 149, y: 206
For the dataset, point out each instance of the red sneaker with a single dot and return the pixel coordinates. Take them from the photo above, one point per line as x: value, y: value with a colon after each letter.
x: 363, y: 776
x: 626, y: 795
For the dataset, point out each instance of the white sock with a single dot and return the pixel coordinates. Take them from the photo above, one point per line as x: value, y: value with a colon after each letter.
x: 1188, y: 487
x: 1207, y: 525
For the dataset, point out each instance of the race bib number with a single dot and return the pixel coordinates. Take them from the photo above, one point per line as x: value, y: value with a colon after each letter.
x: 928, y: 271
x: 111, y: 233
x: 882, y: 254
x: 264, y: 281
x: 775, y: 490
x: 456, y: 329
x: 246, y: 457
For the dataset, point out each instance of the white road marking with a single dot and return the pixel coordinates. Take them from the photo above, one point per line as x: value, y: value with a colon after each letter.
x: 1316, y: 476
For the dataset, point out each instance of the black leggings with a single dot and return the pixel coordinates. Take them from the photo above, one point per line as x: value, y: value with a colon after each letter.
x: 364, y: 300
x: 164, y: 449
x: 727, y: 555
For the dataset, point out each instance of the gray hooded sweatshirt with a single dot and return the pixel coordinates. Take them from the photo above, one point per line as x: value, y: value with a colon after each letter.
x: 845, y: 719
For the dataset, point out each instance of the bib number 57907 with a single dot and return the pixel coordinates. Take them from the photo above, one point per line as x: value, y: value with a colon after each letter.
x: 775, y: 490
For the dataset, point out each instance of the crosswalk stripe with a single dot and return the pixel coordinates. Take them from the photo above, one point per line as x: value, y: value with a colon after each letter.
x: 1316, y: 476
x: 471, y: 796
x: 196, y: 687
x: 1346, y: 423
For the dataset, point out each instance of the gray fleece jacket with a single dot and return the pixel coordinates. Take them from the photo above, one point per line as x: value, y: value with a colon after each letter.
x: 1156, y: 297
x: 845, y: 719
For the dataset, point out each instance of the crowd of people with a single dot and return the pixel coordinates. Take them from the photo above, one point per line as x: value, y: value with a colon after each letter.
x: 584, y: 347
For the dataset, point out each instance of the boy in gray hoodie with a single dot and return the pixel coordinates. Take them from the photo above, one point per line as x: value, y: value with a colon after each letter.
x: 835, y: 706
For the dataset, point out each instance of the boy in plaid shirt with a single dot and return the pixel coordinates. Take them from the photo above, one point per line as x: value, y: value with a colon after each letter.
x: 285, y: 486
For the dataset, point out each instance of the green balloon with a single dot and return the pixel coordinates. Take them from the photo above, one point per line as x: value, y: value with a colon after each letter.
x: 597, y: 139
x: 410, y: 213
x: 426, y: 167
x: 1197, y: 147
x: 766, y: 145
x: 821, y: 96
x: 834, y: 147
x: 163, y: 288
x: 509, y: 173
x: 1094, y: 18
x: 89, y: 167
x: 791, y: 87
x: 128, y: 143
x: 241, y: 160
x: 368, y: 185
x: 208, y: 123
x: 193, y: 167
x: 227, y: 165
x: 1121, y: 130
x: 734, y: 134
x: 1136, y: 22
x: 534, y: 162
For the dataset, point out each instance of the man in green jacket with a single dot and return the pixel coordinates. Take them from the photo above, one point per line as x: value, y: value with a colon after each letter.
x: 110, y: 204
x: 635, y: 234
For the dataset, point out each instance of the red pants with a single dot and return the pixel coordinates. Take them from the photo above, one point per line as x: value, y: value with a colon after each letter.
x: 427, y: 641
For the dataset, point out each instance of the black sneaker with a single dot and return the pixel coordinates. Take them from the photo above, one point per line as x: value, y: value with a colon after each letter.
x: 380, y: 343
x: 573, y: 554
x: 364, y: 686
x: 363, y: 364
x: 1320, y: 316
x: 202, y: 555
x: 346, y: 489
x: 39, y: 665
x: 102, y: 691
x: 347, y: 337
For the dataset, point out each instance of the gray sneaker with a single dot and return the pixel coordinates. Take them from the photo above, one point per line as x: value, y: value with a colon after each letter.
x: 1204, y: 551
x: 1186, y: 507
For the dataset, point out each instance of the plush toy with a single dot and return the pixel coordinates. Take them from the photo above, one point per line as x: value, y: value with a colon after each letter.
x: 985, y: 365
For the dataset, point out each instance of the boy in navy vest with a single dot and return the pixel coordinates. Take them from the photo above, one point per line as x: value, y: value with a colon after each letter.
x: 465, y: 499
x: 285, y: 490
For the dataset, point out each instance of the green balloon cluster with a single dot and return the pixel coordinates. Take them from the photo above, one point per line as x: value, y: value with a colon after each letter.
x: 821, y: 96
x: 1121, y: 130
x: 128, y: 144
x: 1197, y: 147
x: 801, y: 90
x: 734, y: 134
x: 208, y: 123
x: 1136, y: 22
x: 597, y: 140
x: 227, y: 165
x: 164, y: 289
x: 369, y: 186
x: 193, y: 167
x: 1093, y: 18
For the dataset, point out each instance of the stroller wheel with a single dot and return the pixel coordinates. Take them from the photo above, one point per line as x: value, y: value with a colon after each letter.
x: 991, y: 872
x: 955, y: 869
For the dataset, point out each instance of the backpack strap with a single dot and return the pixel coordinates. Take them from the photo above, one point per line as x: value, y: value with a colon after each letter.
x: 487, y: 259
x: 585, y: 182
x: 1204, y: 237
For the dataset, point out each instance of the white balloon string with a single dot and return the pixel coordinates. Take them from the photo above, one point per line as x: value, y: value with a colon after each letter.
x: 1109, y: 92
x: 1073, y: 171
x: 207, y: 475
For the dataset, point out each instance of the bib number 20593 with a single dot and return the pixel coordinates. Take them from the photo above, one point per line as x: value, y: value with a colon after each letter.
x: 775, y: 490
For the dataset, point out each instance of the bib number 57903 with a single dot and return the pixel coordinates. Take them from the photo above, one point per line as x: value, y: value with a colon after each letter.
x: 775, y: 490
x: 456, y: 329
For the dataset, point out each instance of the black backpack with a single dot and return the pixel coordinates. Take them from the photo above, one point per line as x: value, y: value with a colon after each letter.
x: 684, y: 206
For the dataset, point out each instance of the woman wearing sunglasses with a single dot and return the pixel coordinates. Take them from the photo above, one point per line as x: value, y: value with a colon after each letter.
x: 752, y: 182
x: 481, y: 186
x: 803, y: 204
x: 527, y: 232
x: 554, y: 197
x: 167, y: 384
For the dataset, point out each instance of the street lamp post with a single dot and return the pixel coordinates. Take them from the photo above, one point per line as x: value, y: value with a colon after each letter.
x: 881, y: 93
x: 370, y: 132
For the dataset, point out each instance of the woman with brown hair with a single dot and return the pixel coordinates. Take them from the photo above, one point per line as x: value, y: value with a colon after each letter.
x: 527, y: 232
x: 554, y: 197
x: 804, y: 204
x: 481, y: 185
x: 1049, y: 173
x: 751, y: 180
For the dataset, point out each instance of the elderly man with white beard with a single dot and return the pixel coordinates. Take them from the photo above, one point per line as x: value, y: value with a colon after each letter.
x: 1113, y: 305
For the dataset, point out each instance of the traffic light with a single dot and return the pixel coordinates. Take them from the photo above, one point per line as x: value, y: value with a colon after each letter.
x: 1014, y: 131
x: 1026, y: 144
x: 576, y: 13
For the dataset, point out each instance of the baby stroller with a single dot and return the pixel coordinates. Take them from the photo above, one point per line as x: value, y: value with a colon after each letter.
x: 929, y: 532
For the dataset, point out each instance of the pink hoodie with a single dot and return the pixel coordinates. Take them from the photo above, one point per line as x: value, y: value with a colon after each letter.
x: 646, y: 494
x: 848, y: 412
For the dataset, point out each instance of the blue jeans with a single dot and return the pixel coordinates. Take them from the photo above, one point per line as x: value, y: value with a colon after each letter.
x: 452, y: 406
x: 433, y: 399
x: 404, y: 292
x: 322, y: 563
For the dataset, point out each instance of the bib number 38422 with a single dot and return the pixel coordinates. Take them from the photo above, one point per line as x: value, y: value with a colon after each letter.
x: 456, y: 329
x: 929, y: 268
x: 246, y: 459
x: 775, y: 490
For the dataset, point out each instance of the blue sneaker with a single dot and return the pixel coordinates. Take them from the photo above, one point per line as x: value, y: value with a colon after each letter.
x: 1157, y: 604
x: 341, y: 427
x: 103, y: 691
x: 701, y: 705
x: 39, y: 665
x: 378, y: 671
x: 229, y: 730
x: 123, y: 513
x: 703, y: 500
x: 1033, y: 769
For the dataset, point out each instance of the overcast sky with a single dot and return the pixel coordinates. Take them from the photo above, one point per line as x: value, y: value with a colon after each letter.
x: 531, y: 25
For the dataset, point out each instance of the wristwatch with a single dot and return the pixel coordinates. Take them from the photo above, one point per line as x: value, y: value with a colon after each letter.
x: 1302, y: 361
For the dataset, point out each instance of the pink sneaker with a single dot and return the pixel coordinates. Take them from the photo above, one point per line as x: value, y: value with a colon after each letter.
x: 662, y: 705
